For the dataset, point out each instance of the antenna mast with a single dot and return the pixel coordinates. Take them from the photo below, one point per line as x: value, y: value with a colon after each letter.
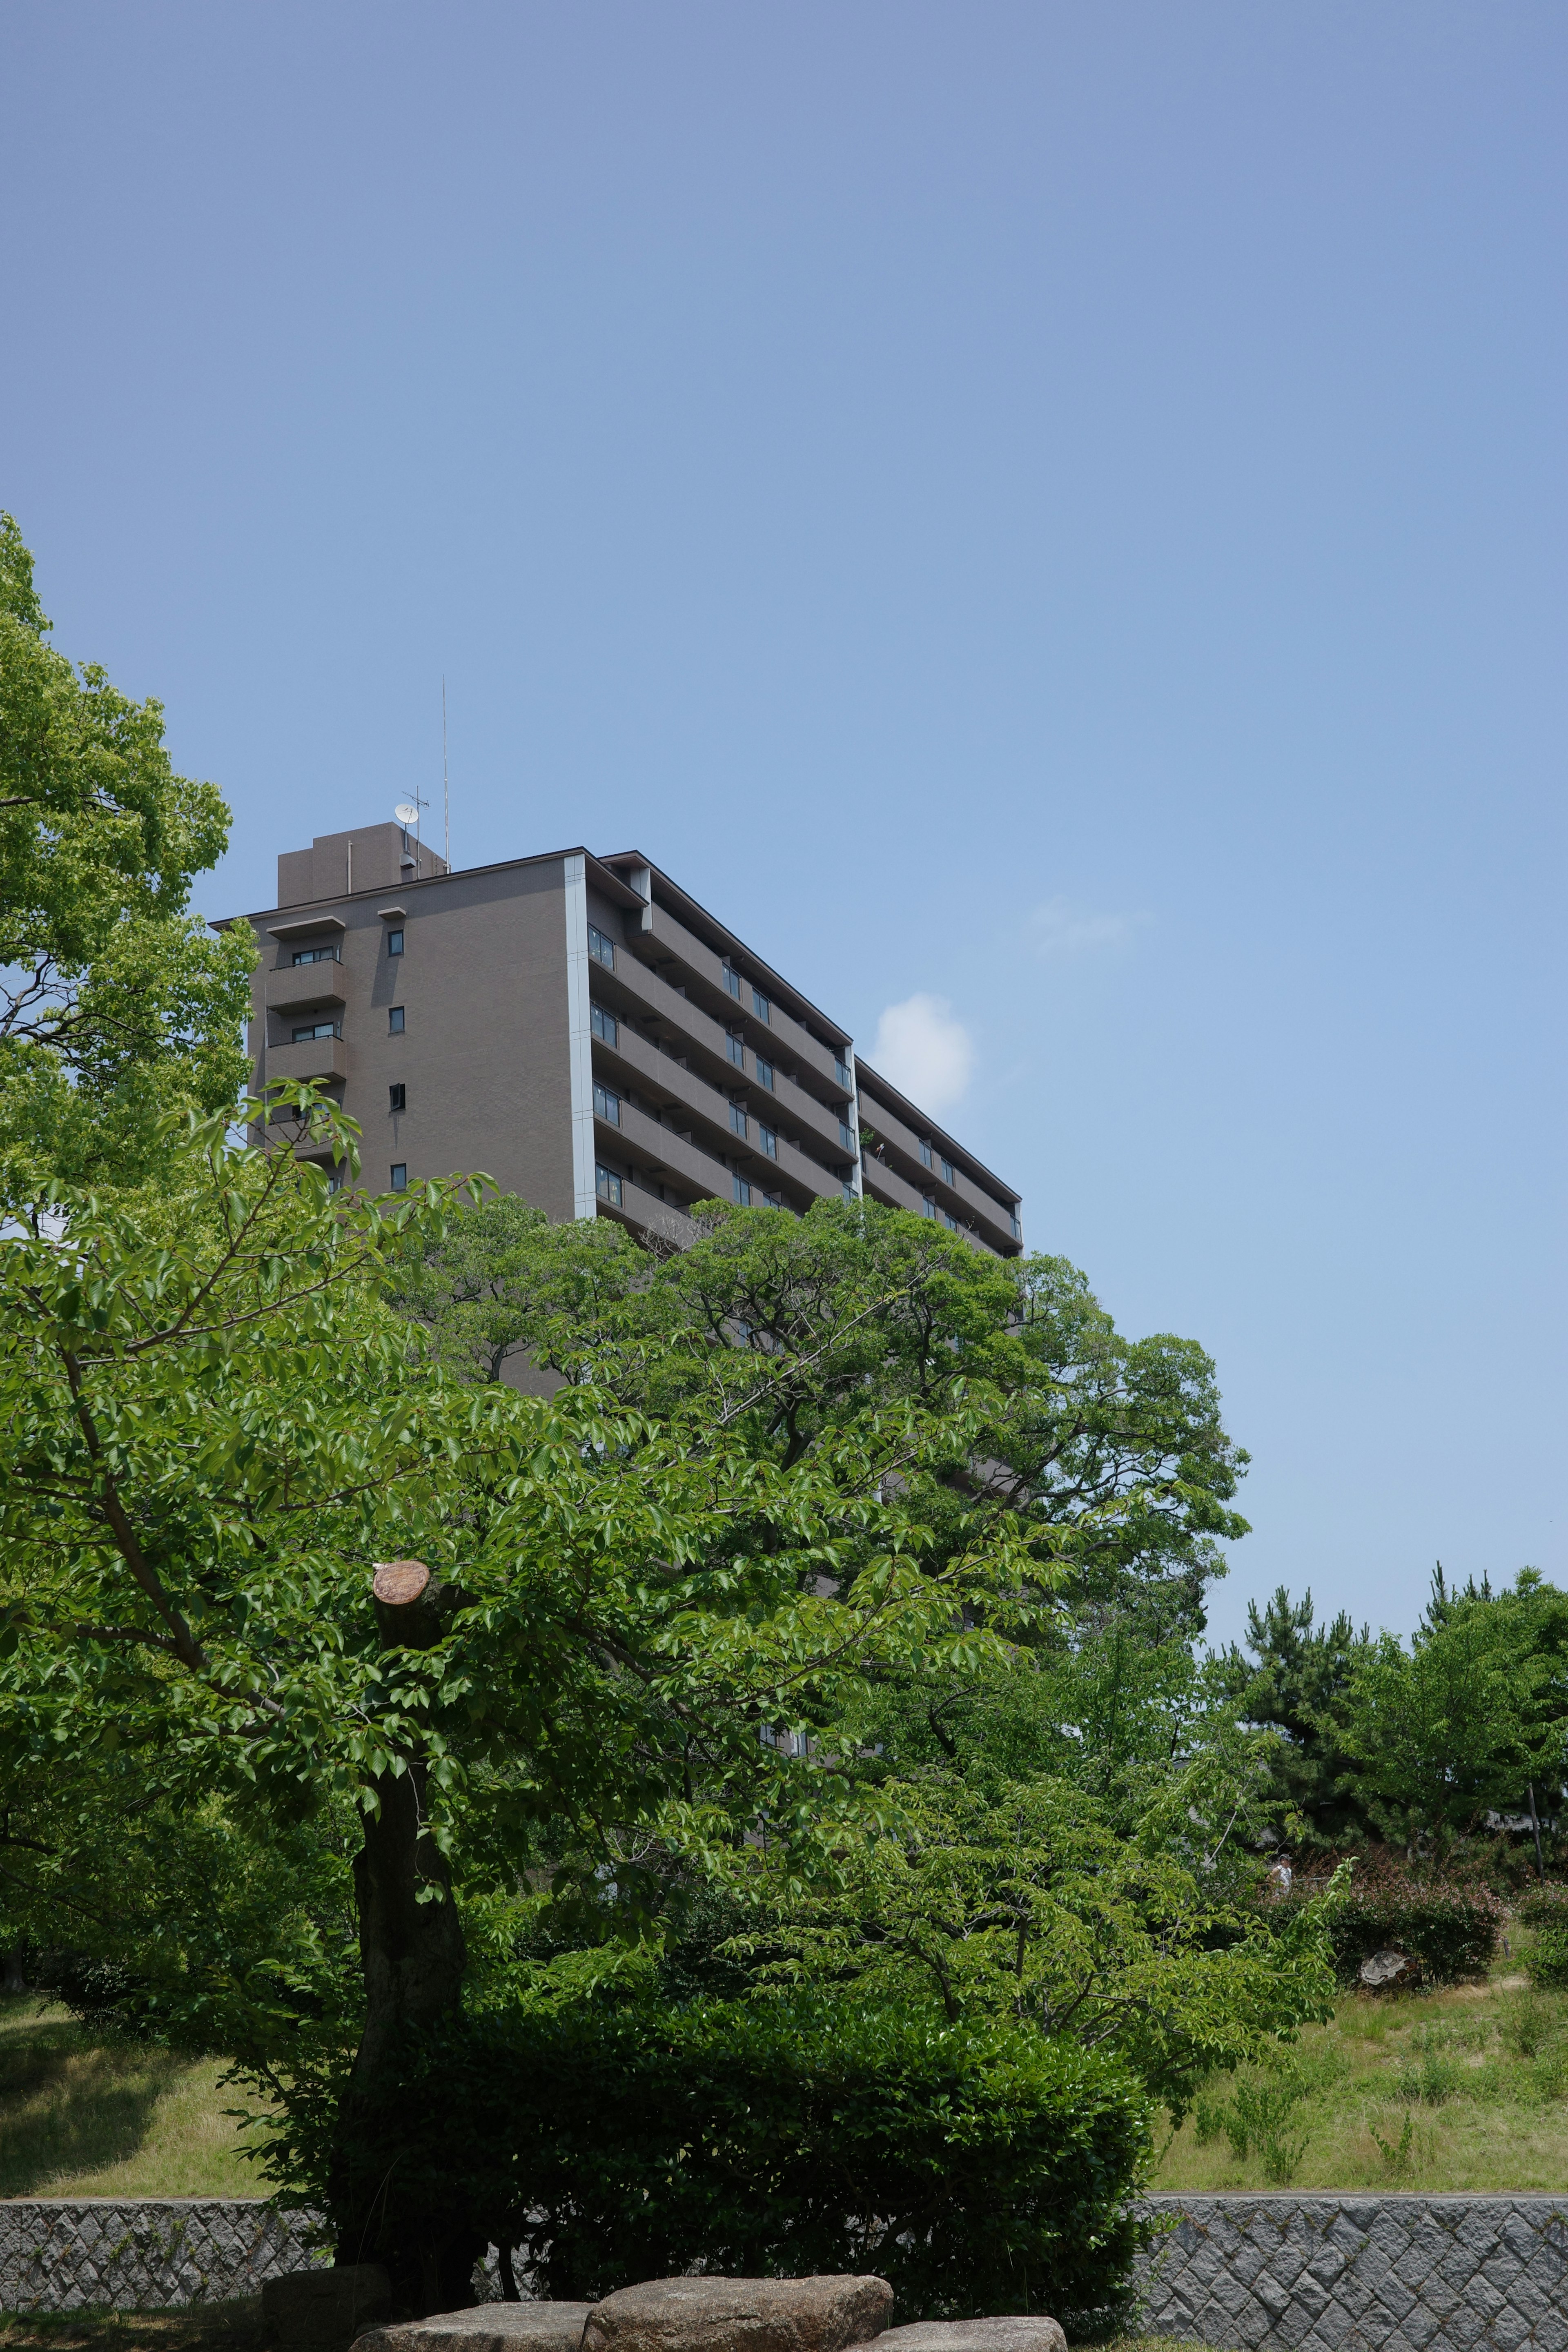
x: 446, y: 787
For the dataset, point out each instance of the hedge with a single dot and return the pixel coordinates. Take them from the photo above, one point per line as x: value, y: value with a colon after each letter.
x: 979, y: 2169
x: 1545, y: 1913
x: 1452, y: 1929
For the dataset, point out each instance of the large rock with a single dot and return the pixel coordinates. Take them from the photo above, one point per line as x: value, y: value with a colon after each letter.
x: 732, y: 2315
x: 1387, y: 1971
x: 1014, y: 2334
x: 324, y: 2311
x: 488, y: 2327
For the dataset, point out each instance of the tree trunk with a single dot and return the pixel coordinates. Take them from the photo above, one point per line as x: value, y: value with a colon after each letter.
x: 414, y: 1956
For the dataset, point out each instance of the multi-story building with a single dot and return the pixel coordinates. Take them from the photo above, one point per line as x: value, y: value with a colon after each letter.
x: 581, y: 1030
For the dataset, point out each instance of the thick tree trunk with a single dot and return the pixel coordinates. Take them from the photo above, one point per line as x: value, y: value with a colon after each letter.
x: 412, y: 1951
x: 413, y: 1955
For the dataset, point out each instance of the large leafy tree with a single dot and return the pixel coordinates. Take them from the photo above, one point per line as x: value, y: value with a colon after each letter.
x: 116, y: 1003
x: 211, y: 1432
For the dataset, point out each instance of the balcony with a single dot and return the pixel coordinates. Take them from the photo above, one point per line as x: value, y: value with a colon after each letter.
x: 300, y: 987
x: 790, y: 1041
x: 316, y: 1057
x: 784, y: 1107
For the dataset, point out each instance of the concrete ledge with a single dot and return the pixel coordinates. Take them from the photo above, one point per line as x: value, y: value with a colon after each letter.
x: 143, y: 2254
x: 1360, y: 2272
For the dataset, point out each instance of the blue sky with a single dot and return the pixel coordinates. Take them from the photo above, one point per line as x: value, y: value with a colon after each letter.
x: 1050, y: 517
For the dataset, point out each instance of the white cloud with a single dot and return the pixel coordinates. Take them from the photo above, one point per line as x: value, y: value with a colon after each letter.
x: 1060, y: 928
x: 924, y: 1051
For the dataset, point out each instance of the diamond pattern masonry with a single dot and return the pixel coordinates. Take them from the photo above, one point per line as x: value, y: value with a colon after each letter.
x: 144, y: 2254
x: 1352, y: 2274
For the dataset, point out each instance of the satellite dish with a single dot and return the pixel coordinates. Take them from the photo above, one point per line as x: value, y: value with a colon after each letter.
x: 405, y: 812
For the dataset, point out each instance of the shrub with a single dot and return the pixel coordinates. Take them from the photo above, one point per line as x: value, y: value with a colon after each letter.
x: 1545, y: 1913
x: 980, y: 2170
x: 1451, y: 1929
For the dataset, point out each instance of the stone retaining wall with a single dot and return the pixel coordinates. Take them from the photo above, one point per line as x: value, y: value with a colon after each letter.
x: 139, y: 2253
x: 1349, y: 2273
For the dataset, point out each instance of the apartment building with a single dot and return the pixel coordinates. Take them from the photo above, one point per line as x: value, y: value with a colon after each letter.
x: 583, y: 1032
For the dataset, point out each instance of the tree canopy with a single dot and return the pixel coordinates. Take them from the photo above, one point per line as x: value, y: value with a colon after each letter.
x: 116, y: 1003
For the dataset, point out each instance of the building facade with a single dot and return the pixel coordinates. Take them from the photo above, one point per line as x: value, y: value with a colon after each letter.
x: 585, y: 1033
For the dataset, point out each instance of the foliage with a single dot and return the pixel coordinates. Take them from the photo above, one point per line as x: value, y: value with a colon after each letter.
x: 978, y: 2168
x: 499, y: 1274
x: 793, y: 1331
x: 1300, y: 1687
x: 1545, y: 1913
x: 1455, y: 1727
x: 1027, y: 1905
x: 116, y: 1005
x: 1450, y: 1927
x: 1260, y: 2117
x: 209, y: 1430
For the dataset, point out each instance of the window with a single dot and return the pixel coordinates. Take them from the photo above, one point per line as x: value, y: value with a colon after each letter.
x: 842, y: 1067
x: 764, y: 1074
x: 927, y: 1206
x: 761, y: 1005
x: 608, y: 1105
x: 399, y: 1098
x: 394, y: 1020
x: 400, y: 1175
x: 318, y: 955
x: 602, y: 949
x: 741, y: 1190
x: 603, y: 1025
x: 318, y: 1029
x: 774, y: 1200
x: 1016, y: 1226
x: 607, y: 1185
x: 846, y: 1135
x: 769, y: 1142
x: 395, y: 943
x: 732, y: 981
x: 736, y: 1049
x: 848, y: 1184
x: 925, y: 1151
x: 947, y: 1171
x: 737, y: 1118
x: 951, y: 1222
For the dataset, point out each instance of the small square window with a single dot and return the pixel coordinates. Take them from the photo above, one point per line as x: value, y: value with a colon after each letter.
x: 395, y: 943
x: 761, y: 1005
x: 394, y: 1020
x: 732, y: 981
x: 741, y: 1190
x: 737, y: 1051
x: 737, y: 1118
x: 400, y: 1176
x: 603, y: 1025
x: 764, y: 1074
x: 601, y: 949
x: 607, y: 1185
x: 399, y: 1098
x: 769, y: 1142
x: 608, y: 1105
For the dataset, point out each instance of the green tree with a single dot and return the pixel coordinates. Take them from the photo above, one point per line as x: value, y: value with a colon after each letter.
x: 1455, y: 1727
x: 1298, y: 1684
x: 499, y: 1275
x: 209, y: 1434
x: 116, y: 1005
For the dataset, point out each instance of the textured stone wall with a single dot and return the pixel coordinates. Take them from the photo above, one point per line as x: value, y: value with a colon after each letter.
x: 1349, y: 2273
x: 142, y: 2253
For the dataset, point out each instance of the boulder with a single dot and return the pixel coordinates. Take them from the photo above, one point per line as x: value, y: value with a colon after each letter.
x: 1022, y: 2334
x: 733, y: 2315
x: 1387, y: 1971
x: 324, y: 2310
x: 488, y: 2327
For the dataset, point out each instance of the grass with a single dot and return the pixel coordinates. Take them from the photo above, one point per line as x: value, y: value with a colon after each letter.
x: 1461, y: 2089
x: 207, y: 2327
x: 83, y: 2118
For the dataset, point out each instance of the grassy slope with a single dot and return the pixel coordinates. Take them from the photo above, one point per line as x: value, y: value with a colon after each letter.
x: 83, y: 2118
x: 1467, y: 2089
